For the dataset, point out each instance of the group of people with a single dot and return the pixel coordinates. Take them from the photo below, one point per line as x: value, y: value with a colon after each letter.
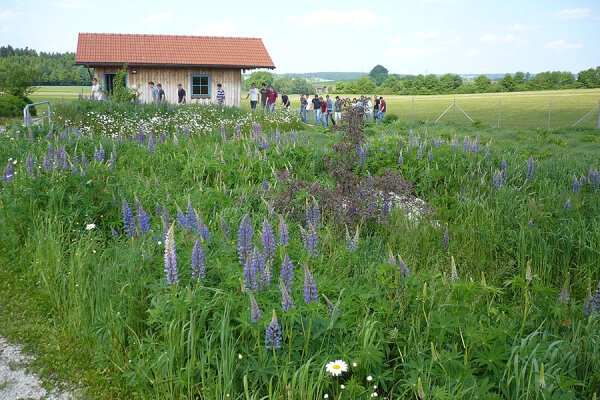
x: 158, y: 94
x: 324, y: 110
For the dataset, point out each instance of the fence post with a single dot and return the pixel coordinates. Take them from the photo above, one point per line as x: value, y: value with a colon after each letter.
x: 453, y: 109
x: 549, y: 111
x: 412, y: 115
x: 499, y: 108
x: 598, y: 123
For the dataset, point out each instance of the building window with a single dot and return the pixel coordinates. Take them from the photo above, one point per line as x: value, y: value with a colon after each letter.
x: 200, y: 86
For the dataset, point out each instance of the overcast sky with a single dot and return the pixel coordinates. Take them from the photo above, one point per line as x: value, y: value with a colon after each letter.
x: 408, y: 37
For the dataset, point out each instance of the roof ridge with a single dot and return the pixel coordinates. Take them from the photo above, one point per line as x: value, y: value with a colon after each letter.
x: 169, y: 35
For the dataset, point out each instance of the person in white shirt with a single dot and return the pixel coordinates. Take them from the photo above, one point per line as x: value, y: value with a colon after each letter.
x: 96, y: 90
x: 308, y: 109
x: 253, y: 94
x: 368, y: 109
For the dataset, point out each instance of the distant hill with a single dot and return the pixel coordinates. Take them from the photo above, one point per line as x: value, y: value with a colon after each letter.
x: 323, y: 76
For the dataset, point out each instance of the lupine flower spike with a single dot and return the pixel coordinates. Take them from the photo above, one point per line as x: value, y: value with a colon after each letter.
x: 198, y: 265
x: 287, y: 271
x: 171, y: 258
x: 128, y: 219
x: 286, y: 299
x: 311, y: 294
x: 268, y: 241
x: 273, y: 334
x: 255, y: 314
x: 244, y: 239
x: 284, y: 235
x: 332, y: 308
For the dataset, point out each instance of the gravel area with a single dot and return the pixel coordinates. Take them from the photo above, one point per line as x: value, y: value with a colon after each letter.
x: 15, y: 380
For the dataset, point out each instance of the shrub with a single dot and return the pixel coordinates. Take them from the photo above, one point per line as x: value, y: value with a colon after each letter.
x: 12, y: 106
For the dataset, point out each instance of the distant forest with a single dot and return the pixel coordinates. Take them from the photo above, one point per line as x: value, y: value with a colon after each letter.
x: 51, y: 69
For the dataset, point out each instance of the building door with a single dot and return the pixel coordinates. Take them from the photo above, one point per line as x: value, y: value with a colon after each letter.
x: 109, y: 78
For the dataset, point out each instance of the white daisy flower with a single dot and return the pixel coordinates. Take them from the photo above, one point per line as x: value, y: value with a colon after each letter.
x: 374, y: 394
x: 336, y: 367
x: 89, y: 227
x: 369, y: 378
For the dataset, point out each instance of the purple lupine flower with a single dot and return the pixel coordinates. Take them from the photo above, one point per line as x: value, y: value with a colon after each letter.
x: 497, y: 180
x: 266, y: 274
x: 362, y: 154
x: 142, y: 217
x: 63, y: 159
x: 446, y: 240
x: 284, y: 234
x: 186, y: 131
x: 84, y: 161
x: 420, y: 153
x: 308, y: 212
x: 430, y: 155
x: 575, y: 184
x: 410, y: 139
x: 352, y: 241
x: 151, y: 143
x: 244, y: 239
x: 563, y: 296
x: 311, y: 294
x: 255, y: 314
x: 400, y: 145
x: 166, y: 215
x: 114, y: 233
x: 530, y: 223
x: 181, y: 219
x: 316, y: 214
x: 47, y: 164
x: 252, y: 270
x: 268, y: 241
x: 190, y: 216
x: 50, y: 151
x: 265, y: 184
x: 225, y: 228
x: 171, y: 257
x: 273, y: 334
x: 385, y: 208
x: 286, y: 300
x: 198, y: 267
x: 530, y: 169
x: 403, y: 269
x: 583, y: 180
x: 503, y: 169
x: 9, y: 173
x: 287, y: 271
x: 310, y: 239
x: 29, y: 164
x: 331, y: 307
x: 128, y: 219
x: 158, y: 210
x: 400, y: 160
x: 391, y: 259
x: 594, y: 178
x: 567, y: 205
x: 163, y: 138
x: 593, y: 301
x: 202, y: 229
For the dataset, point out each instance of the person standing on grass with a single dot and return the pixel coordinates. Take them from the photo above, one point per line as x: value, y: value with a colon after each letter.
x: 338, y: 109
x: 253, y: 94
x: 308, y: 108
x: 317, y: 107
x: 180, y: 94
x: 154, y: 92
x: 285, y: 101
x: 220, y: 95
x: 161, y: 93
x: 368, y: 109
x: 303, y: 104
x: 96, y: 91
x: 375, y: 108
x: 264, y: 92
x: 272, y: 98
x: 323, y: 111
x: 330, y: 109
x: 382, y: 109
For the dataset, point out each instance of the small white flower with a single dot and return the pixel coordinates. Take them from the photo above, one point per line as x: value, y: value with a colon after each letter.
x: 369, y: 378
x: 326, y: 396
x: 159, y: 242
x: 354, y: 364
x: 239, y: 355
x: 336, y: 367
x: 374, y: 394
x: 90, y: 226
x: 94, y: 251
x: 342, y: 386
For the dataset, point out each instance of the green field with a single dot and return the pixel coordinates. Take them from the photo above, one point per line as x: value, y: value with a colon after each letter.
x: 519, y: 110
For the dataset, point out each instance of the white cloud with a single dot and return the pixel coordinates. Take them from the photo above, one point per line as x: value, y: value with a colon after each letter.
x: 155, y: 17
x: 427, y: 34
x: 522, y: 27
x: 473, y: 52
x: 411, y: 52
x: 357, y: 18
x: 6, y: 14
x: 452, y: 41
x: 223, y: 28
x: 493, y: 38
x: 397, y: 40
x: 561, y: 45
x: 574, y: 13
x: 73, y: 4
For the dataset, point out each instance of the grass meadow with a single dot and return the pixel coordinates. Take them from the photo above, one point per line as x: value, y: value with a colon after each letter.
x: 187, y: 253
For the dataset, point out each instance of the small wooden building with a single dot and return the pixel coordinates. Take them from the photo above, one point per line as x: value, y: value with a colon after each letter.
x: 199, y: 63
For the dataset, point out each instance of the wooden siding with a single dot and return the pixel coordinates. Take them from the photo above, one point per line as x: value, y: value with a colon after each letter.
x: 230, y: 78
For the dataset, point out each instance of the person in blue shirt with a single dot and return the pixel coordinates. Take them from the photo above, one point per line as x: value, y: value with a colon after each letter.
x: 330, y: 109
x: 154, y: 92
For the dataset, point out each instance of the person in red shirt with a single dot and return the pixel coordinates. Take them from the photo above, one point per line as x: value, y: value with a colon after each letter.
x: 382, y: 109
x: 271, y: 98
x: 323, y: 112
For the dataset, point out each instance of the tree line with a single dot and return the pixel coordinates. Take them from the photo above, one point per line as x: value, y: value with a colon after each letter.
x: 381, y: 82
x: 50, y: 69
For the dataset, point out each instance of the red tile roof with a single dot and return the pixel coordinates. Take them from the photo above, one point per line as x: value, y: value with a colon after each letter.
x: 115, y: 48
